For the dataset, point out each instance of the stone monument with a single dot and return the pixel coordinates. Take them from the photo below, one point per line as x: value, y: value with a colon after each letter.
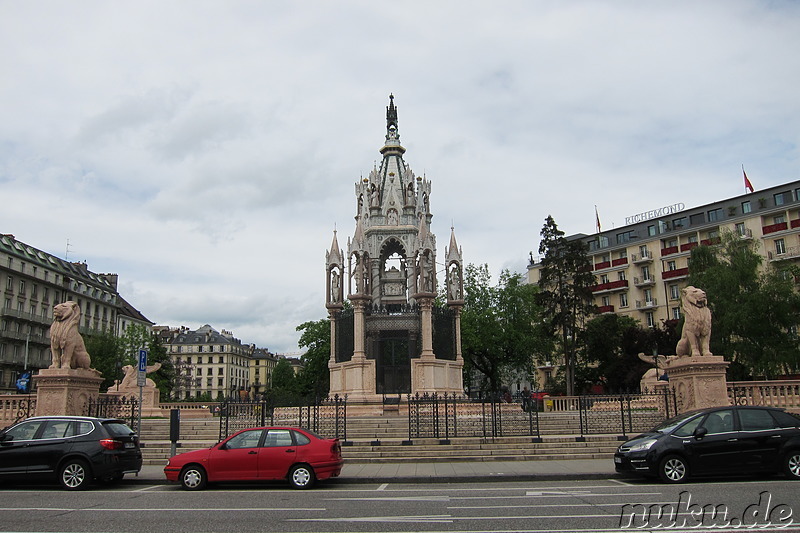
x: 129, y: 388
x: 698, y: 376
x: 69, y: 384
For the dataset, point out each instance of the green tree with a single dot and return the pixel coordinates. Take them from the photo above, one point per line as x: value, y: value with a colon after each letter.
x: 314, y: 380
x: 284, y: 383
x: 755, y: 309
x: 612, y: 346
x: 499, y: 326
x: 565, y: 283
x: 104, y: 351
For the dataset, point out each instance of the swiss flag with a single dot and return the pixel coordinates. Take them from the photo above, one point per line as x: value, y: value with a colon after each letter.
x: 747, y: 184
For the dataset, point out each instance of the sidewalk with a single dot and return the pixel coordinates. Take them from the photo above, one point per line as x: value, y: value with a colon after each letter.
x: 559, y: 470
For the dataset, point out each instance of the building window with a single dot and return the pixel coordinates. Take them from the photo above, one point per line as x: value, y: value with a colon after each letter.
x: 605, y: 301
x: 648, y: 295
x: 746, y: 207
x: 220, y: 382
x: 676, y: 313
x: 697, y: 218
x: 674, y: 292
x: 715, y: 215
x: 604, y: 278
x: 780, y: 247
x: 624, y: 237
x: 692, y: 238
x: 651, y: 231
x: 22, y: 287
x: 621, y: 275
x: 783, y: 198
x: 645, y: 272
x: 651, y: 321
x: 678, y: 222
x: 671, y: 265
x: 740, y: 229
x: 623, y: 300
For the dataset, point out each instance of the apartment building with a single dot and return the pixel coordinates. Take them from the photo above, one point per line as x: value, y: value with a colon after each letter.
x: 641, y: 267
x: 33, y: 281
x: 262, y: 363
x: 207, y: 361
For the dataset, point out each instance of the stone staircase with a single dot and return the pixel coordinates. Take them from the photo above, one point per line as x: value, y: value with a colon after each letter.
x: 378, y: 439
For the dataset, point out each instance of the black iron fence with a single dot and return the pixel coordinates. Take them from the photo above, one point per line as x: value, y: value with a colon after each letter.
x: 327, y: 417
x: 124, y: 408
x: 448, y: 416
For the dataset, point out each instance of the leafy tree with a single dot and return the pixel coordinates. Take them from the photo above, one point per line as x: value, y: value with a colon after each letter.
x: 755, y: 309
x: 499, y: 325
x: 283, y: 377
x: 104, y: 351
x: 612, y: 347
x: 314, y: 380
x: 565, y: 283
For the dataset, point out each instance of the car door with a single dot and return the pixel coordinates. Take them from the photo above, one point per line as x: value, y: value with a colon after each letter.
x: 718, y: 451
x: 49, y: 446
x: 14, y: 458
x: 762, y: 439
x: 277, y: 455
x: 237, y: 458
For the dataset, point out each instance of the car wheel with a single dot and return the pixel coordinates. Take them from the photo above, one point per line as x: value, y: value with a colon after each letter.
x: 673, y: 469
x: 791, y: 464
x: 74, y: 475
x: 301, y: 477
x: 193, y: 477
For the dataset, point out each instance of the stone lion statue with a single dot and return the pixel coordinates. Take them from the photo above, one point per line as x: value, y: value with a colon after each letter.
x: 66, y: 342
x: 131, y: 379
x: 696, y: 333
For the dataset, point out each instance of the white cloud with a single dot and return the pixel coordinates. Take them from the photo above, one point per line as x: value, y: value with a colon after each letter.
x: 205, y: 151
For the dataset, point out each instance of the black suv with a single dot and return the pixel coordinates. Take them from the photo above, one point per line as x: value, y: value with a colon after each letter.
x: 75, y: 450
x: 716, y: 441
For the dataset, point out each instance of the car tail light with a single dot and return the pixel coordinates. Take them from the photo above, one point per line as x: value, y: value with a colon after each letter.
x: 336, y: 449
x: 111, y: 444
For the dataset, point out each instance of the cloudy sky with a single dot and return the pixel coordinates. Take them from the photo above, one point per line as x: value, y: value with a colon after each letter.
x: 205, y: 151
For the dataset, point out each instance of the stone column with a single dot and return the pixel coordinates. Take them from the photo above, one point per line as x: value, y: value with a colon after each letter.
x: 699, y: 381
x: 65, y: 391
x: 425, y: 302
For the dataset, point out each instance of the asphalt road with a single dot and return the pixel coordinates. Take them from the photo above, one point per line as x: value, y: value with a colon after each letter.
x: 770, y: 504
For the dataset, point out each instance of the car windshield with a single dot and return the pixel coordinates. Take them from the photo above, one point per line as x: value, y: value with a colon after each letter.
x: 668, y: 425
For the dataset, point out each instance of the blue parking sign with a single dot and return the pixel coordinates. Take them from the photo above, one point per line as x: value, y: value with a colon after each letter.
x: 142, y: 360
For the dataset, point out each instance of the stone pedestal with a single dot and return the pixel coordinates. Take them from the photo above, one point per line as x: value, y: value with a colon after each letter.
x: 699, y: 381
x: 436, y: 376
x: 65, y: 391
x: 151, y: 403
x: 355, y: 378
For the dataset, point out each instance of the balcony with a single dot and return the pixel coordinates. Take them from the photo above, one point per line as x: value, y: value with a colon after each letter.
x: 688, y: 246
x: 791, y: 253
x: 678, y: 273
x: 619, y: 262
x: 774, y: 228
x: 711, y: 242
x: 669, y: 251
x: 646, y: 305
x: 643, y: 282
x: 619, y: 285
x: 604, y: 309
x: 601, y: 266
x: 745, y: 233
x: 644, y: 257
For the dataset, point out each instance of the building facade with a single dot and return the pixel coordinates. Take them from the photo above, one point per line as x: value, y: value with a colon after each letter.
x: 208, y: 362
x: 641, y: 267
x: 33, y: 282
x: 262, y: 363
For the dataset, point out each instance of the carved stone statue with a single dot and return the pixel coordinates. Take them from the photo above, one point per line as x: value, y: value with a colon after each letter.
x: 66, y: 343
x: 696, y: 334
x: 130, y: 381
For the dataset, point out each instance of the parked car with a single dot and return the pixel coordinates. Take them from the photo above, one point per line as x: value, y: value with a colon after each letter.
x: 716, y: 441
x: 265, y: 453
x: 73, y: 450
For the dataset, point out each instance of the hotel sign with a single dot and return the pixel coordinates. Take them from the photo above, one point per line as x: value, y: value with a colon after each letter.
x: 655, y: 213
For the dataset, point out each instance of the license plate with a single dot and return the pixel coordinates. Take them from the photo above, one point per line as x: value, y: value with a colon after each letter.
x: 130, y: 445
x: 618, y: 460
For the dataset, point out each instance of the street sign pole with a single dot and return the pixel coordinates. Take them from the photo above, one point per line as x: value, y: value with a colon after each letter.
x: 142, y: 380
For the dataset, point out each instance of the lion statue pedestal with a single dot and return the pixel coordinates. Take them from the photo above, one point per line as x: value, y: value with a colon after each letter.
x: 129, y: 388
x: 698, y: 377
x: 70, y: 384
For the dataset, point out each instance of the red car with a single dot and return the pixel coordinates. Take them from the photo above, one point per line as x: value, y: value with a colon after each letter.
x: 269, y: 453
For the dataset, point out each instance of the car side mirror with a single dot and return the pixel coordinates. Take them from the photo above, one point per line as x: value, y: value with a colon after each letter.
x: 699, y: 433
x: 6, y: 438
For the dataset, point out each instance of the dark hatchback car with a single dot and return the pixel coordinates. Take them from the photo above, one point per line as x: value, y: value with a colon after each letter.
x: 718, y: 441
x: 73, y: 450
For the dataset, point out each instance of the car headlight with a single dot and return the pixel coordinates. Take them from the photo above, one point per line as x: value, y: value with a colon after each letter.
x: 643, y: 446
